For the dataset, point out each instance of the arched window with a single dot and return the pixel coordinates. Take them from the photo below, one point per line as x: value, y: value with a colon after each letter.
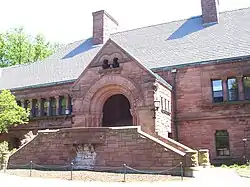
x: 115, y: 63
x: 105, y: 64
x: 222, y: 143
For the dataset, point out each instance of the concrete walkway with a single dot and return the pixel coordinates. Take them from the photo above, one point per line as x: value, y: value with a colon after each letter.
x: 206, y: 177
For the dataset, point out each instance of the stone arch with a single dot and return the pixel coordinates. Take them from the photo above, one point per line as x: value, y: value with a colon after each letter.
x: 105, y: 88
x: 115, y: 81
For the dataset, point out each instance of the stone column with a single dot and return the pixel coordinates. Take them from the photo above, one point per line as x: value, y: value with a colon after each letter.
x: 22, y: 102
x: 134, y: 117
x: 224, y: 87
x: 240, y: 87
x: 67, y: 101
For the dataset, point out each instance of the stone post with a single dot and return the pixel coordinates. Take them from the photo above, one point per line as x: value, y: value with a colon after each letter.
x: 58, y: 108
x: 31, y: 107
x: 240, y: 87
x: 204, y: 157
x: 191, y: 158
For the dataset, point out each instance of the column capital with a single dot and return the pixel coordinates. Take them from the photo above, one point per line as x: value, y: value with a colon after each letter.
x: 239, y: 77
x: 57, y: 96
x: 224, y: 78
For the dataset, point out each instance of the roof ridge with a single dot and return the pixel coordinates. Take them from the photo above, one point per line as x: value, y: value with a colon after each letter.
x: 158, y: 24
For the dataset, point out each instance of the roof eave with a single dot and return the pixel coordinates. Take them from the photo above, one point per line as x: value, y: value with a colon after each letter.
x: 42, y: 85
x: 208, y: 62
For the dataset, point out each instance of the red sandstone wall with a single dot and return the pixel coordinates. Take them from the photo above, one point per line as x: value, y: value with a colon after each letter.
x: 198, y: 118
x: 114, y: 147
x: 95, y: 86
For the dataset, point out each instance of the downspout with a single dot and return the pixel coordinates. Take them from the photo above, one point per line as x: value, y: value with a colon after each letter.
x: 174, y: 72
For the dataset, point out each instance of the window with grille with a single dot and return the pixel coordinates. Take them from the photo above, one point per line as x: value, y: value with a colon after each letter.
x: 62, y: 105
x: 52, y: 106
x: 217, y: 91
x: 222, y: 143
x: 44, y: 107
x: 232, y: 89
x: 246, y: 84
x: 35, y: 108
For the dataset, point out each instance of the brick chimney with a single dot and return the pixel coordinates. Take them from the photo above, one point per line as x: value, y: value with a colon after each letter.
x: 103, y: 26
x: 210, y: 11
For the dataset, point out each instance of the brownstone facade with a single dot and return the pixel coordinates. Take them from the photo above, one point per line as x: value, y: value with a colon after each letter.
x: 181, y: 108
x: 198, y: 117
x: 113, y: 148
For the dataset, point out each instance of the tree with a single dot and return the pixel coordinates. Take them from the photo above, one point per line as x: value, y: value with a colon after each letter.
x: 10, y: 113
x: 17, y: 47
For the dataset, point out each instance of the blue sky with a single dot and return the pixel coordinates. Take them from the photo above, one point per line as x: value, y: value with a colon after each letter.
x: 70, y: 20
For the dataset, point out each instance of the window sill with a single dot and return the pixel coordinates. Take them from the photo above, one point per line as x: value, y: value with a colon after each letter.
x: 115, y: 70
x: 226, y: 103
x: 50, y: 117
x: 165, y: 112
x: 223, y: 157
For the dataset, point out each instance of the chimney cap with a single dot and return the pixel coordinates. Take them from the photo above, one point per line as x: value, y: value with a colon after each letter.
x: 107, y: 14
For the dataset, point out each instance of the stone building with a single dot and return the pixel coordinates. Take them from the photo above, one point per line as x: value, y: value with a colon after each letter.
x: 184, y: 83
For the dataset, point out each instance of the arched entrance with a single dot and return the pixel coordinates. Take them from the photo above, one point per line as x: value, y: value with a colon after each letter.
x: 116, y: 112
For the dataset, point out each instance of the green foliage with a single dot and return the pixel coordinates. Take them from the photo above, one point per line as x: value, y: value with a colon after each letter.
x: 17, y: 47
x: 10, y: 113
x: 3, y: 147
x: 234, y: 166
x: 224, y: 166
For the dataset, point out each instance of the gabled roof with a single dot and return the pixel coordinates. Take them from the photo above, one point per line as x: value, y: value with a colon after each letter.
x: 157, y: 46
x: 63, y: 66
x: 188, y: 41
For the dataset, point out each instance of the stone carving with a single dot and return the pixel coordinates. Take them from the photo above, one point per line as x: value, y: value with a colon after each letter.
x: 27, y: 137
x: 85, y: 157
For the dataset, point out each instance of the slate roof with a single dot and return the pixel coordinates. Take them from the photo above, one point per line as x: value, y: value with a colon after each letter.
x: 163, y: 45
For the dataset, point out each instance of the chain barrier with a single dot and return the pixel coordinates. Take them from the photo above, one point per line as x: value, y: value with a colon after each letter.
x: 70, y: 167
x: 151, y: 172
x: 19, y: 165
x: 51, y: 168
x: 125, y: 171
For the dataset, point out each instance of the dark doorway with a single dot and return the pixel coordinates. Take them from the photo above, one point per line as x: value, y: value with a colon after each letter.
x: 116, y: 112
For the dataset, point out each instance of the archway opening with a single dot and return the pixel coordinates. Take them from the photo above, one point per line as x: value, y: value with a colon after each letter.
x: 116, y: 112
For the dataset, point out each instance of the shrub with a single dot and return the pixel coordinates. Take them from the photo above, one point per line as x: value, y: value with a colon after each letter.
x: 3, y: 147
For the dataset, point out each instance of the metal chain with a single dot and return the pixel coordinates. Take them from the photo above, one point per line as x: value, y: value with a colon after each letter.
x: 45, y: 167
x: 151, y: 172
x: 15, y: 165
